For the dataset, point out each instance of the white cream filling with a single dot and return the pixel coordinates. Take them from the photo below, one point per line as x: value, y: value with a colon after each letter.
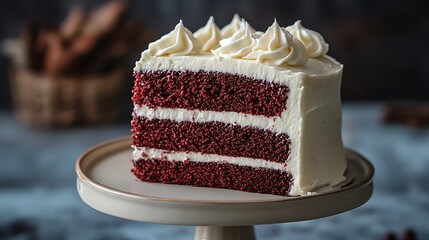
x: 274, y: 124
x: 150, y: 153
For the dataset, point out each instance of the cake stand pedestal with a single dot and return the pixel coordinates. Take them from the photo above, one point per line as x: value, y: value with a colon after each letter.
x: 105, y: 183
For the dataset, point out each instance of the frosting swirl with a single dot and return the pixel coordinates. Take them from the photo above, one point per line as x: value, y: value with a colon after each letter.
x: 232, y: 27
x: 313, y: 41
x: 235, y: 25
x: 178, y: 42
x: 277, y: 47
x: 238, y: 45
x: 209, y: 35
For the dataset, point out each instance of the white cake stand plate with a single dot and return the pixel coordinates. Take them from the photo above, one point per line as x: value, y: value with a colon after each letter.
x: 105, y: 183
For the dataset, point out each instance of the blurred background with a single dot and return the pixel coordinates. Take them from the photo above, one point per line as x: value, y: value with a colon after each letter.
x: 65, y: 82
x: 381, y: 43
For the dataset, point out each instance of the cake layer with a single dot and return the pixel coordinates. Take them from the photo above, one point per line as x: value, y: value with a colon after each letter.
x: 212, y: 138
x: 214, y: 91
x: 144, y: 152
x: 215, y: 175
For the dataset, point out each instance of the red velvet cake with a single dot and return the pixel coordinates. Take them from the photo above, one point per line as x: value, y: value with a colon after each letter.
x: 238, y: 109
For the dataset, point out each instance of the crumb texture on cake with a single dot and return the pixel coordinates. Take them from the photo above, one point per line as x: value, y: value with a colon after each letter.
x: 213, y: 137
x: 215, y: 91
x: 215, y: 175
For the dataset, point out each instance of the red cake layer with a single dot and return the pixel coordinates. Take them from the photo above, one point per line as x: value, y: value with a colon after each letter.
x: 211, y: 137
x: 213, y: 91
x: 215, y: 175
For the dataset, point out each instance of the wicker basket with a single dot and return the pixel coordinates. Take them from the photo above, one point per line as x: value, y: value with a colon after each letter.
x: 65, y: 101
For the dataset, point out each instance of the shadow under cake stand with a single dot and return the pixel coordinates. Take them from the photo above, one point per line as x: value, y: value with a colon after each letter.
x: 105, y: 183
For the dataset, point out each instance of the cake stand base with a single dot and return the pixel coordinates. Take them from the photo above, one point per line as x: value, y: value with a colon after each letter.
x: 105, y: 183
x: 224, y: 233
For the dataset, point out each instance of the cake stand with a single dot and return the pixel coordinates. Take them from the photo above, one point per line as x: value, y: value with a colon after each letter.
x: 105, y: 183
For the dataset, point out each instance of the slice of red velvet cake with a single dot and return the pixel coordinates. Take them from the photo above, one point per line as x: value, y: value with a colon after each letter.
x: 251, y: 111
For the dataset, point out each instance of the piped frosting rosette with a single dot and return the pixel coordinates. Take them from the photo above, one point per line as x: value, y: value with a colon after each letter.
x: 232, y: 27
x: 278, y: 47
x: 239, y: 45
x: 178, y: 42
x: 235, y: 25
x: 209, y: 35
x: 314, y: 42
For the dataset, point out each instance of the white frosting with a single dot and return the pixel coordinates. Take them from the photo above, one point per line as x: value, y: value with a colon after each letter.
x: 277, y: 47
x: 232, y: 27
x: 239, y: 45
x: 249, y: 68
x: 312, y: 118
x: 235, y: 25
x: 148, y: 153
x: 313, y: 41
x: 178, y: 42
x: 209, y: 35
